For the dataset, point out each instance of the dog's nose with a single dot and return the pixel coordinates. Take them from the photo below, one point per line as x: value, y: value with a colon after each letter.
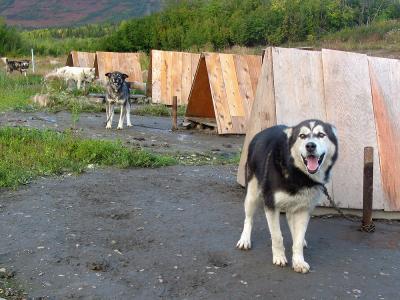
x: 310, y: 147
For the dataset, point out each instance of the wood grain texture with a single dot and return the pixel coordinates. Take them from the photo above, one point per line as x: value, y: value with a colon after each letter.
x: 385, y: 83
x: 263, y: 113
x: 177, y: 70
x: 231, y: 94
x: 349, y: 107
x: 299, y: 85
x: 218, y: 93
x: 234, y: 99
x: 186, y: 76
x: 244, y: 83
x: 128, y: 63
x: 81, y: 59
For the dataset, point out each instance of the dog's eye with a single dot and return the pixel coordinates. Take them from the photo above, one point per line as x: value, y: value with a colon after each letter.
x: 321, y: 135
x: 302, y: 136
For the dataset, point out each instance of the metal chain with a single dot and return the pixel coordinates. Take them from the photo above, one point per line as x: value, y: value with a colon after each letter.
x: 365, y: 228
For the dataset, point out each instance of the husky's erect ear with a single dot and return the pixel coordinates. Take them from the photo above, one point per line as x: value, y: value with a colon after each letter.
x: 334, y: 130
x: 124, y: 76
x: 288, y: 132
x: 108, y: 74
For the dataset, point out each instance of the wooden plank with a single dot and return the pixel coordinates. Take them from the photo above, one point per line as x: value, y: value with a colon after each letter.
x: 349, y: 107
x: 149, y: 92
x: 186, y: 76
x: 168, y: 70
x: 263, y: 113
x: 298, y: 95
x: 176, y: 69
x: 128, y: 63
x: 230, y: 79
x: 164, y: 75
x: 200, y: 103
x: 195, y: 62
x: 385, y: 83
x: 218, y: 93
x: 254, y: 62
x: 245, y: 85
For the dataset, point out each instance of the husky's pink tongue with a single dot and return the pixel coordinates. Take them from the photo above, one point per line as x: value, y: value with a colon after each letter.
x: 312, y: 163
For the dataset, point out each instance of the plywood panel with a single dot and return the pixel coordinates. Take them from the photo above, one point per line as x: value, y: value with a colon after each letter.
x: 254, y: 62
x: 230, y: 79
x: 128, y: 63
x: 155, y: 75
x: 218, y: 92
x: 263, y: 113
x: 186, y: 76
x: 245, y: 85
x: 299, y: 85
x: 349, y: 107
x: 81, y: 59
x: 177, y: 76
x: 385, y: 83
x: 177, y: 71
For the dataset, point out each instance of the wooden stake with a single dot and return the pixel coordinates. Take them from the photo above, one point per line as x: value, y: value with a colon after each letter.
x: 174, y: 113
x: 368, y: 189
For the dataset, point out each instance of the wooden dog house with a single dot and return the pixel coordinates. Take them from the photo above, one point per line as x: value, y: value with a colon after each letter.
x: 223, y: 91
x: 128, y: 63
x: 171, y: 74
x: 356, y: 93
x: 81, y: 59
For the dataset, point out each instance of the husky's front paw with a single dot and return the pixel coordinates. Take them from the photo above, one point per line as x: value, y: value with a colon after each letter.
x: 108, y: 126
x: 129, y: 125
x: 279, y: 259
x: 300, y: 266
x: 244, y: 243
x: 120, y: 128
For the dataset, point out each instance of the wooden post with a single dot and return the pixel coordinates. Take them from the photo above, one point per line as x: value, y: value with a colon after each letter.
x: 174, y: 113
x: 368, y: 189
x: 33, y: 61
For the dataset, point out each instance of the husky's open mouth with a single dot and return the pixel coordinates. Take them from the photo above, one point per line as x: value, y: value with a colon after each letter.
x: 313, y: 163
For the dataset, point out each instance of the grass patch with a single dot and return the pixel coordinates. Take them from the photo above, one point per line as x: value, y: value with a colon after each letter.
x: 73, y: 100
x: 28, y: 153
x: 158, y: 110
x: 16, y: 90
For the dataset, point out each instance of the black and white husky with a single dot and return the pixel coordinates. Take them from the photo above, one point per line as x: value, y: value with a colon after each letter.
x: 118, y: 94
x: 287, y: 167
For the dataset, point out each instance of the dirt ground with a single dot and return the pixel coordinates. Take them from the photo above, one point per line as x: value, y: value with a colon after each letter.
x: 153, y: 133
x: 170, y: 233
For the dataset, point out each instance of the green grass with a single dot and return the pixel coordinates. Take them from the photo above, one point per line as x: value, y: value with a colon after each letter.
x: 16, y: 90
x: 158, y: 110
x: 28, y: 153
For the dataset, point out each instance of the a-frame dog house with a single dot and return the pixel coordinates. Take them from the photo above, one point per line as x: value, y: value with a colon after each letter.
x: 171, y: 74
x: 128, y: 63
x: 356, y: 93
x: 81, y: 59
x: 223, y: 91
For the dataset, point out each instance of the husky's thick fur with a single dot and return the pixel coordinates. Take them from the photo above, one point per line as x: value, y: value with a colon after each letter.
x: 118, y: 94
x: 286, y: 168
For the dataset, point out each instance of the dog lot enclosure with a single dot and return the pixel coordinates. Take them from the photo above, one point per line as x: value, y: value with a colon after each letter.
x: 356, y: 93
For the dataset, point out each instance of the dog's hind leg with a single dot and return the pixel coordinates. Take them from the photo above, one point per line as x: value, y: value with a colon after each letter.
x: 122, y: 117
x: 299, y: 222
x: 128, y: 114
x: 278, y: 250
x: 250, y: 205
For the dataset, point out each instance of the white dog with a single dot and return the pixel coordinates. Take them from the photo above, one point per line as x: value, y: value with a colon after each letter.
x: 78, y: 74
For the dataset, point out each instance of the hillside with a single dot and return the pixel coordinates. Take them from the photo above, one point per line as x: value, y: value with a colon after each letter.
x: 50, y: 13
